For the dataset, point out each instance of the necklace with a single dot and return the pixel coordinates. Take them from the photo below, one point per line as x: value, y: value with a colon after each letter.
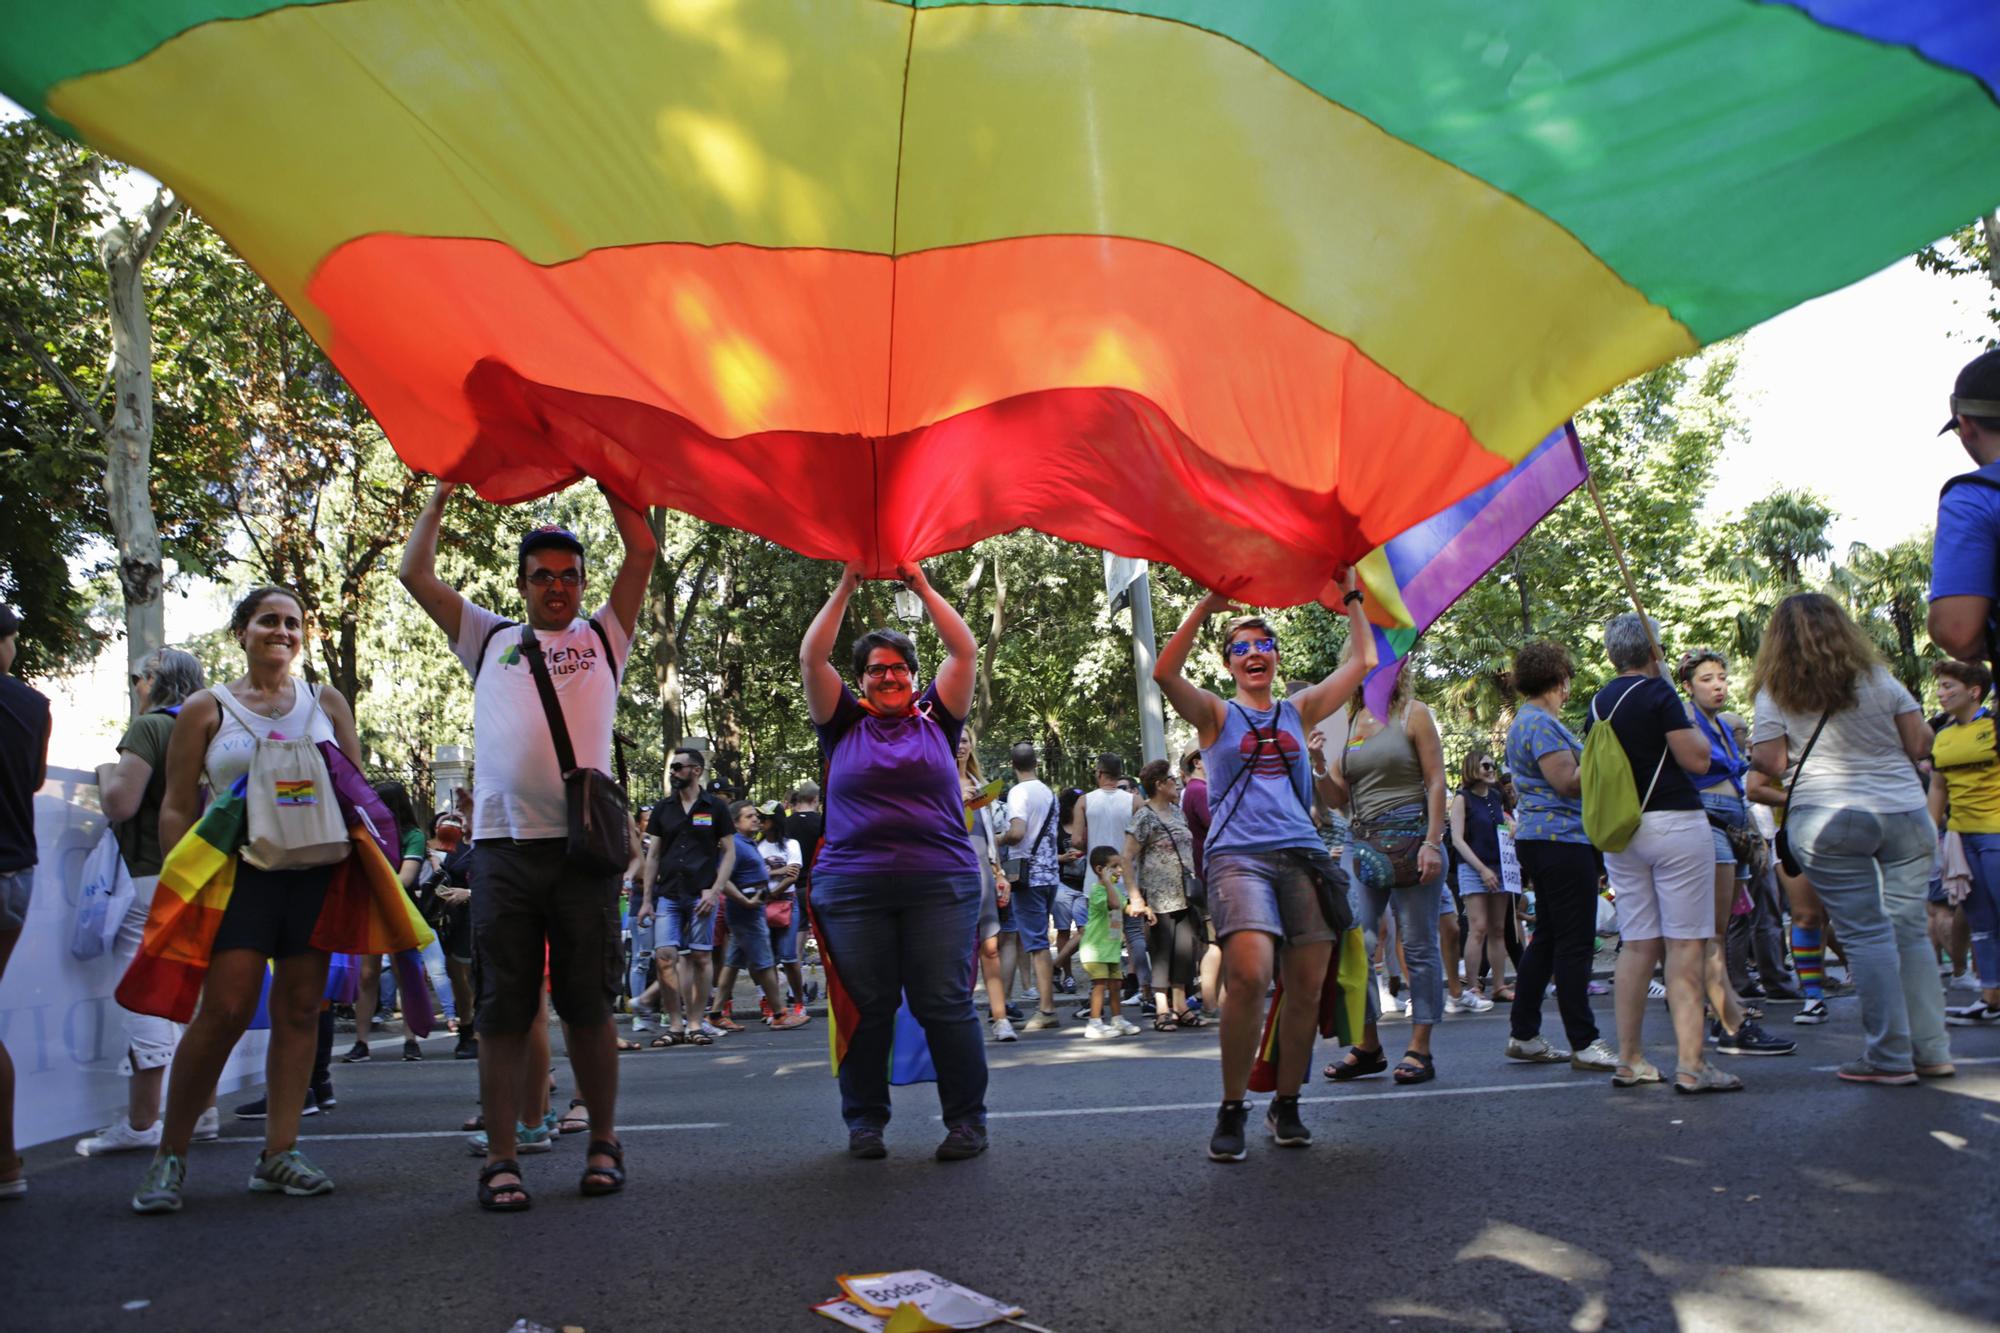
x: 276, y: 709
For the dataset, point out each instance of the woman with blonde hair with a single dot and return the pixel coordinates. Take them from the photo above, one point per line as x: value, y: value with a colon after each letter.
x: 1850, y: 735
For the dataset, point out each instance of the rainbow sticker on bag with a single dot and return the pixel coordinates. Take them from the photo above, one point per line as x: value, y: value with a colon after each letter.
x: 296, y: 791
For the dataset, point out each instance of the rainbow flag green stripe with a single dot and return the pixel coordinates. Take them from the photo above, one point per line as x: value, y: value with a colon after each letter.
x: 1258, y: 286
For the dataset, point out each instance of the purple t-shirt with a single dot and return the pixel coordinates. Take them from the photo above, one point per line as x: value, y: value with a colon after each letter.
x: 892, y: 798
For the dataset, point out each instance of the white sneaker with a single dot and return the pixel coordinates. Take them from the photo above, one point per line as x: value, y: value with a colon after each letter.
x: 712, y: 1030
x: 1454, y: 1005
x: 1655, y: 990
x: 1030, y: 994
x: 1004, y: 1030
x: 208, y: 1128
x: 119, y: 1136
x: 1476, y: 1003
x: 1388, y: 1000
x: 1125, y: 1026
x: 1596, y: 1057
x: 1098, y: 1030
x: 1967, y: 980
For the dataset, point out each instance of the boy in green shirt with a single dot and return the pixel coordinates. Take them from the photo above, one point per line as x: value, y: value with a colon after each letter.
x: 1103, y: 943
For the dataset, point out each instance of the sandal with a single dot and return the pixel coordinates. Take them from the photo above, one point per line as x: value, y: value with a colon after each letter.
x: 1165, y: 1023
x: 576, y: 1120
x: 1503, y: 995
x: 1190, y: 1019
x: 1423, y: 1071
x: 1706, y: 1079
x: 1631, y: 1076
x: 604, y: 1179
x: 476, y: 1122
x: 1359, y: 1063
x: 624, y: 1045
x: 695, y: 1037
x: 492, y: 1197
x: 666, y: 1039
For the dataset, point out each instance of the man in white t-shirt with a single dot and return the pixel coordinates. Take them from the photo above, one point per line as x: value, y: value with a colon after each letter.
x: 528, y: 902
x: 1028, y: 849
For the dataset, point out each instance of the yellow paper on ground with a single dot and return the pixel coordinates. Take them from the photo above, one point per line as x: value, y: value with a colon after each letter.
x: 915, y: 1301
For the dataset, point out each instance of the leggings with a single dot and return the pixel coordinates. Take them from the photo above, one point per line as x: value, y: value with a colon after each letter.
x: 1174, y: 941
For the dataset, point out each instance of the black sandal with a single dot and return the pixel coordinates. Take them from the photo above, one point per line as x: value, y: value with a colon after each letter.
x: 1165, y: 1023
x: 1359, y: 1063
x: 572, y: 1122
x: 490, y: 1194
x: 1422, y: 1072
x: 666, y: 1039
x: 1190, y: 1019
x: 604, y: 1179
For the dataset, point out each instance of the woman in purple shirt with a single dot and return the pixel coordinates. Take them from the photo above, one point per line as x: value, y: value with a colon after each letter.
x: 895, y: 898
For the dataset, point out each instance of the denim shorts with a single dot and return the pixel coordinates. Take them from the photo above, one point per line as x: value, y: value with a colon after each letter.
x: 679, y: 927
x: 1469, y: 883
x: 1272, y: 892
x: 1031, y: 915
x: 1072, y: 908
x: 16, y: 888
x: 785, y: 943
x: 749, y: 936
x: 1730, y: 806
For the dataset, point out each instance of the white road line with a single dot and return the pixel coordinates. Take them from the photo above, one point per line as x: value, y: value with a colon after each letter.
x: 1352, y: 1100
x: 1956, y: 1059
x: 456, y: 1133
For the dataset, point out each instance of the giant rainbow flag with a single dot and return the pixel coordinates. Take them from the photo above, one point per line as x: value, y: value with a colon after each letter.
x: 1248, y: 288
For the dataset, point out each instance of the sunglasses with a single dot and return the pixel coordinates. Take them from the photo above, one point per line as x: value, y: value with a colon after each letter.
x: 139, y: 676
x: 878, y: 670
x: 569, y: 578
x: 1243, y: 646
x: 684, y: 768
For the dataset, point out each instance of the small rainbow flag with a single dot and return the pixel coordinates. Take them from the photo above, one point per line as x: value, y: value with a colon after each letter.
x: 296, y: 791
x: 1343, y: 1007
x: 1412, y: 578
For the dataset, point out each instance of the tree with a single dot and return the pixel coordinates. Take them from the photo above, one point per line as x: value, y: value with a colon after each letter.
x: 1887, y: 592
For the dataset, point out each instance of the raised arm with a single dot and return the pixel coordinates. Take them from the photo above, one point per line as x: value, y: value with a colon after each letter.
x: 1201, y: 709
x: 822, y: 682
x: 1319, y: 702
x: 628, y: 590
x: 418, y: 573
x: 955, y: 675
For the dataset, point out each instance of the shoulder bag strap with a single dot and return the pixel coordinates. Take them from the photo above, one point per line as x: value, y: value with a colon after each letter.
x: 1048, y: 825
x: 605, y: 639
x: 485, y: 643
x: 551, y: 707
x: 1216, y: 826
x: 227, y: 703
x: 1793, y: 779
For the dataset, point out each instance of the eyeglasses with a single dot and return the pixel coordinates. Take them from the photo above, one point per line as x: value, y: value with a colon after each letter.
x: 877, y: 670
x: 569, y: 578
x: 684, y: 768
x: 1242, y: 646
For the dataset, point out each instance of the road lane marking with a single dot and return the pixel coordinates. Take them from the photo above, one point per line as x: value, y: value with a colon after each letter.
x: 1350, y: 1100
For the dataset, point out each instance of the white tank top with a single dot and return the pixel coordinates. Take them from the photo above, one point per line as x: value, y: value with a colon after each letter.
x: 229, y: 753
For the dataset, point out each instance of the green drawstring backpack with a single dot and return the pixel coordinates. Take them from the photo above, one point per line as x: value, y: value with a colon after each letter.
x: 1612, y: 806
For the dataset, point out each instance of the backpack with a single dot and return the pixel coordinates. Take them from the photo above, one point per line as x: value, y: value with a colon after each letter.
x: 292, y: 815
x: 1612, y: 806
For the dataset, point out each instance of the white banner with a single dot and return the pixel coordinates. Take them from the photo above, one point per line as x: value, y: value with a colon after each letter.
x: 1510, y: 863
x: 57, y: 1018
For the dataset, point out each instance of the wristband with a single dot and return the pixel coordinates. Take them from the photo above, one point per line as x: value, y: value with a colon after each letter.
x: 1351, y: 598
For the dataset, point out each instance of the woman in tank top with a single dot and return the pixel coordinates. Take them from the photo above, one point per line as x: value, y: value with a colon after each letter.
x: 271, y: 913
x: 1390, y: 776
x: 1477, y: 816
x: 1262, y: 857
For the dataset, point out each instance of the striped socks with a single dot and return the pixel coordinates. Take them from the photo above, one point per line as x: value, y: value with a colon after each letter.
x: 1809, y: 961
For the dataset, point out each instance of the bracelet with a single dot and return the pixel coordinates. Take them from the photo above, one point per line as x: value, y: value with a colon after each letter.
x: 1437, y: 846
x: 1351, y: 598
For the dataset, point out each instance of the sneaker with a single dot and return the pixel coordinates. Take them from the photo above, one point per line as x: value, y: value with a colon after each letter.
x: 710, y: 1030
x: 1097, y: 1030
x: 468, y: 1046
x: 1860, y: 1071
x: 1282, y: 1119
x: 1029, y: 993
x: 356, y: 1054
x: 1067, y: 985
x: 289, y: 1173
x: 1537, y: 1051
x: 119, y: 1136
x: 866, y: 1143
x: 1656, y: 990
x: 160, y: 1191
x: 323, y: 1094
x: 1387, y: 999
x: 812, y: 991
x: 208, y: 1125
x: 639, y: 1020
x: 1004, y: 1031
x: 412, y: 1051
x: 1042, y: 1021
x: 1596, y: 1057
x: 1125, y: 1025
x: 1598, y: 988
x: 962, y: 1143
x: 1015, y: 1013
x: 1750, y: 1039
x: 1965, y: 981
x: 1815, y: 1012
x: 1474, y: 1002
x: 1226, y: 1144
x: 1972, y: 1015
x: 256, y: 1110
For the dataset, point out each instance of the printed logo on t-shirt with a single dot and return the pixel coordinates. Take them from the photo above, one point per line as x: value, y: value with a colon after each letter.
x: 1269, y: 756
x: 561, y: 661
x: 702, y: 819
x: 296, y: 791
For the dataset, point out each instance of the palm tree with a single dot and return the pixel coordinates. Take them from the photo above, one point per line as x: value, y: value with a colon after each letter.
x: 1886, y: 591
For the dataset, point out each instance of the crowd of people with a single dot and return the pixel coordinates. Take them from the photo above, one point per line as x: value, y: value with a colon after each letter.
x: 1736, y: 853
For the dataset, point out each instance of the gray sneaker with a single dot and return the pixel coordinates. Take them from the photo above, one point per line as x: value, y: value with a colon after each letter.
x: 290, y: 1173
x: 160, y: 1191
x: 1537, y: 1051
x: 1596, y: 1057
x: 1042, y: 1020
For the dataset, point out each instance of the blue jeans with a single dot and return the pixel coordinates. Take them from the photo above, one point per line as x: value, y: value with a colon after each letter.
x: 1870, y: 871
x: 433, y: 959
x: 1417, y: 922
x: 1982, y: 905
x: 891, y: 937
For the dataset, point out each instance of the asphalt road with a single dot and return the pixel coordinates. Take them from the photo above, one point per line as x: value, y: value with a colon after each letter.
x: 1500, y: 1196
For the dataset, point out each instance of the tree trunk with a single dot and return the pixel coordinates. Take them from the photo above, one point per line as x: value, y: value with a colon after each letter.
x: 1521, y: 588
x: 984, y: 697
x: 128, y: 440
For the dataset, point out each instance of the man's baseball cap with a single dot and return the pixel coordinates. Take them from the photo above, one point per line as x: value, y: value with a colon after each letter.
x: 546, y: 537
x: 1976, y: 393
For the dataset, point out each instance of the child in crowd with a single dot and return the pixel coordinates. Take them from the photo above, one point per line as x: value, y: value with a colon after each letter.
x: 749, y: 937
x: 1103, y: 940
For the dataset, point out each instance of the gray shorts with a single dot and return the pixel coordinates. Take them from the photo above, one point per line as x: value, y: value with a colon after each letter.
x: 16, y: 887
x: 1272, y: 892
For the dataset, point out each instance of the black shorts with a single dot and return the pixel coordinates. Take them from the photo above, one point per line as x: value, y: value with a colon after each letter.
x: 529, y: 904
x: 273, y: 912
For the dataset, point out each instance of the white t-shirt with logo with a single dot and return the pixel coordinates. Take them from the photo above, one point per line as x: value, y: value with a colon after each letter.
x: 517, y: 790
